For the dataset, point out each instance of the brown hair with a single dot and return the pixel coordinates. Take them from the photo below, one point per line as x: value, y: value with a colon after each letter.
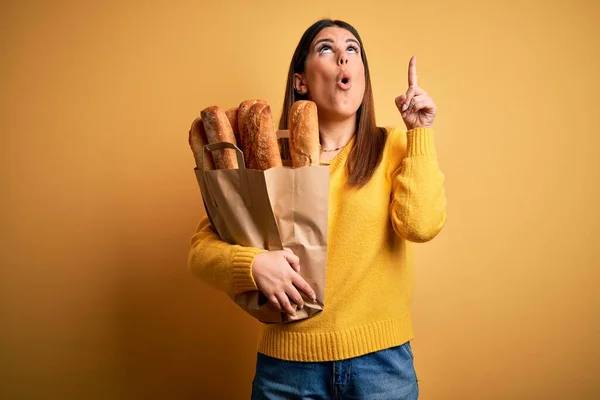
x: 370, y: 139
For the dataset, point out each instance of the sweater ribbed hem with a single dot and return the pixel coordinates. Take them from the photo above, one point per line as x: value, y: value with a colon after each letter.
x: 242, y: 268
x: 420, y: 142
x: 331, y: 346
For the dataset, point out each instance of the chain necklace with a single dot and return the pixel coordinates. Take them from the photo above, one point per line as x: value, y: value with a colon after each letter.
x: 332, y: 150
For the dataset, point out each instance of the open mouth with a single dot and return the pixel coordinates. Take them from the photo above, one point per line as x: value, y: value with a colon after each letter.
x: 344, y: 81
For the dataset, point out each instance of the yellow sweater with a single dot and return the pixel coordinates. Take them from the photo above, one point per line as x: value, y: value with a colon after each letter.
x: 369, y: 279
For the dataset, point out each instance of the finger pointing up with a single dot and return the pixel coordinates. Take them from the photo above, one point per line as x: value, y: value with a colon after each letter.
x: 412, y: 72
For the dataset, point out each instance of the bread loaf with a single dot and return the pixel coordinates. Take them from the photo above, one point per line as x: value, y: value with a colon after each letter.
x: 304, y: 134
x: 259, y: 129
x: 242, y: 116
x: 197, y: 140
x: 243, y: 109
x: 232, y: 117
x: 219, y: 130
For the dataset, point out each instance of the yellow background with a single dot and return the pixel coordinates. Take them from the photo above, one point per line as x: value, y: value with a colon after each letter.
x: 99, y: 198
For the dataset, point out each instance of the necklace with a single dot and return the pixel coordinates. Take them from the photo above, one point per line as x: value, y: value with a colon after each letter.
x: 332, y: 150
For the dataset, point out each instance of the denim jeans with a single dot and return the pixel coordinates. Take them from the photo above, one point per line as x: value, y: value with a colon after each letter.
x: 382, y: 375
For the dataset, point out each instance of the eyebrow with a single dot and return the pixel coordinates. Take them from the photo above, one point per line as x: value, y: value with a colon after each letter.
x: 327, y: 40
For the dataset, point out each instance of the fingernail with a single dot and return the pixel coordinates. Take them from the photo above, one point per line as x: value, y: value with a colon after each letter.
x: 404, y: 107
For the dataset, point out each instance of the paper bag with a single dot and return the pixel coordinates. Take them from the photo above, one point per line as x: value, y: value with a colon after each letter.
x: 272, y: 209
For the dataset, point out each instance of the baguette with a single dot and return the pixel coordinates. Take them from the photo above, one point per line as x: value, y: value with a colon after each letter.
x: 242, y: 116
x: 304, y: 134
x: 232, y: 114
x: 259, y: 128
x: 219, y: 130
x: 197, y: 140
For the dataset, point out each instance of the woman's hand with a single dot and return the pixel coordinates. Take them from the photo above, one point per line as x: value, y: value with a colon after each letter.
x: 415, y: 106
x: 276, y: 275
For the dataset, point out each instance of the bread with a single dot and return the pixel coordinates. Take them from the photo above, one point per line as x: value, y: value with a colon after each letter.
x: 219, y: 130
x: 242, y: 116
x: 197, y: 140
x: 232, y: 117
x: 242, y: 113
x: 262, y: 147
x: 304, y: 134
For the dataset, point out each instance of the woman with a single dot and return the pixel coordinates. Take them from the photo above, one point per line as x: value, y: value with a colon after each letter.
x: 386, y: 190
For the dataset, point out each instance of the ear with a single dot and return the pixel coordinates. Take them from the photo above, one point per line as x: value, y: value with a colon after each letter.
x: 300, y: 84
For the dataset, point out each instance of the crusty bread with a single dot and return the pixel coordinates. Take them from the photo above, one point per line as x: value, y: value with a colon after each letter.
x: 219, y: 130
x: 263, y: 150
x: 242, y: 113
x: 232, y: 117
x: 242, y: 116
x: 304, y: 134
x: 197, y: 140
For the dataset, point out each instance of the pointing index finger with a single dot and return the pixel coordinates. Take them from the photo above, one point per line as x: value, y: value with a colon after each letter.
x: 412, y: 71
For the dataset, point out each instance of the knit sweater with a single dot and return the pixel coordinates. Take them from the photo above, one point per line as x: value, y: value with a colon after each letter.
x: 369, y: 275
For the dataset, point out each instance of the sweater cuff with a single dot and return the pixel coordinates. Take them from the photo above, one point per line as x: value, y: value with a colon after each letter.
x: 243, y: 259
x: 420, y: 142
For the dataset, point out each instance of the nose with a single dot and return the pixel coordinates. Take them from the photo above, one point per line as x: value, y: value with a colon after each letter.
x: 343, y: 60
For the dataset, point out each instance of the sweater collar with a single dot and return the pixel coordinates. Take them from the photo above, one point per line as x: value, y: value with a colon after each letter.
x: 342, y: 155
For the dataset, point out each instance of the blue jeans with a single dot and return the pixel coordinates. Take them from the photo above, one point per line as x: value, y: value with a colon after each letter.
x: 382, y: 375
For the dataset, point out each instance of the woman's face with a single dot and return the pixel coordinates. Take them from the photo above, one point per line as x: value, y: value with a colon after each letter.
x: 334, y: 74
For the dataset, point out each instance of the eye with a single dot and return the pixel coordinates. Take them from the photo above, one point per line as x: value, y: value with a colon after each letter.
x: 353, y: 49
x: 324, y: 49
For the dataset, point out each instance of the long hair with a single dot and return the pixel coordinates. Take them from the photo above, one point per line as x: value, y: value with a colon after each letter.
x: 370, y: 139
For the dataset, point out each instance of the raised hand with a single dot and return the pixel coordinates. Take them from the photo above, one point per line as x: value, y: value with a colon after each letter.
x: 416, y: 107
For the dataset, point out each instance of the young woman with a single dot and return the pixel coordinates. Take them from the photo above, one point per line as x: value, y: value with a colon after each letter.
x: 386, y: 190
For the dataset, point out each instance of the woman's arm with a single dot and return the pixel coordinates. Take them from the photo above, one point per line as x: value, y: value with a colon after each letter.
x: 418, y: 204
x: 221, y: 265
x: 235, y: 269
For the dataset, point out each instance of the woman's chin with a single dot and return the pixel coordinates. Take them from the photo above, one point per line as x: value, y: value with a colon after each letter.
x: 339, y: 112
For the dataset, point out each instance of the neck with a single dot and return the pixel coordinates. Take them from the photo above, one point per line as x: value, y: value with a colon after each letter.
x: 335, y: 134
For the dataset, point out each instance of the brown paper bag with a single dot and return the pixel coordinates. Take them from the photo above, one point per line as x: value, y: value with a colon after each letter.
x: 273, y: 209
